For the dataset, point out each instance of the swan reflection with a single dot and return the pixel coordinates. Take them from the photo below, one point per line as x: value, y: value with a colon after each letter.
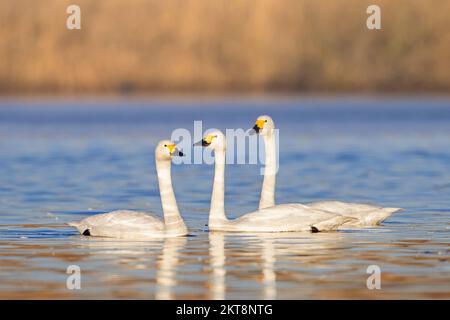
x: 167, y: 265
x: 269, y: 275
x: 159, y: 255
x: 268, y: 260
x: 305, y: 248
x: 217, y: 263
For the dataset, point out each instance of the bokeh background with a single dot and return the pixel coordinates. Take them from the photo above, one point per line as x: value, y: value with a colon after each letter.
x: 172, y: 46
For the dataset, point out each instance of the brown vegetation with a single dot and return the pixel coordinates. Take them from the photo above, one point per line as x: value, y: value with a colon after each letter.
x: 224, y: 45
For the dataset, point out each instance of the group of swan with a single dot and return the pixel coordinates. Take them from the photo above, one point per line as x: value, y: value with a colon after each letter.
x: 315, y: 217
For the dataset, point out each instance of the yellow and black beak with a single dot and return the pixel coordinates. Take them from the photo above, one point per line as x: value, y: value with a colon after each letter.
x: 174, y: 150
x: 259, y: 124
x: 205, y: 142
x: 202, y: 143
x: 255, y: 129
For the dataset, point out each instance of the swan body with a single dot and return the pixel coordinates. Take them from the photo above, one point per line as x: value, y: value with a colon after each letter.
x: 133, y: 225
x: 367, y: 215
x: 364, y: 215
x: 123, y: 224
x: 280, y: 218
x: 287, y: 217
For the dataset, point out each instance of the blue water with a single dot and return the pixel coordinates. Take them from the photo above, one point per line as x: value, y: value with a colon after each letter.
x: 63, y: 160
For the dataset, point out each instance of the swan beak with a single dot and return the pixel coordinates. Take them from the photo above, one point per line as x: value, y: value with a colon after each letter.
x: 177, y: 153
x: 259, y: 124
x: 254, y: 130
x: 174, y: 151
x: 202, y: 143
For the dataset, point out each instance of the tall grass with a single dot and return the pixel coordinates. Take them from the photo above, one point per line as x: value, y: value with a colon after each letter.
x: 224, y: 45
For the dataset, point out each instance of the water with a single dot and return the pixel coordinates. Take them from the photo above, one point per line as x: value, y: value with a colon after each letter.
x: 63, y: 161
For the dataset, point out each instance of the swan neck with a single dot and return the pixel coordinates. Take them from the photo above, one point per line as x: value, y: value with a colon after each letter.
x: 267, y: 198
x: 173, y: 221
x: 217, y: 210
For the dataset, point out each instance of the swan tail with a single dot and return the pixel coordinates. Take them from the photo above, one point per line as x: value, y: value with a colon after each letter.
x: 73, y: 224
x: 78, y: 226
x: 381, y: 215
x: 331, y: 224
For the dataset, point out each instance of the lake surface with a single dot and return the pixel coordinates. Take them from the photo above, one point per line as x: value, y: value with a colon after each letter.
x: 62, y: 161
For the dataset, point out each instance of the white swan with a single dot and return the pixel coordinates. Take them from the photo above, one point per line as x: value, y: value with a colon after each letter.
x: 125, y: 224
x: 366, y: 215
x: 281, y: 218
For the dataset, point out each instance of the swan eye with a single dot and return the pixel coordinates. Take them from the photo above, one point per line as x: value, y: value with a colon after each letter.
x: 165, y: 145
x: 265, y: 120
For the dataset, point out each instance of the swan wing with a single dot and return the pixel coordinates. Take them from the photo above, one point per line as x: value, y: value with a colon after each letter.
x: 289, y: 217
x: 121, y: 224
x: 367, y: 215
x: 342, y: 207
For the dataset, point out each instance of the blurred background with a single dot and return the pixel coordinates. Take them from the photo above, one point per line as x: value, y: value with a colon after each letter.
x: 194, y: 46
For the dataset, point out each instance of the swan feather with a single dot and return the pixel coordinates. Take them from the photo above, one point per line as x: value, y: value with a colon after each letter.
x: 286, y: 217
x: 121, y: 224
x: 366, y: 214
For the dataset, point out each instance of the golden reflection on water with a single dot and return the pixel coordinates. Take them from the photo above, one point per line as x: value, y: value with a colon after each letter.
x: 219, y: 265
x: 217, y: 262
x: 167, y: 267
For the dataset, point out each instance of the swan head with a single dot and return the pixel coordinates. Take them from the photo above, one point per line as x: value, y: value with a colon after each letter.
x: 264, y: 125
x: 214, y: 140
x: 167, y: 149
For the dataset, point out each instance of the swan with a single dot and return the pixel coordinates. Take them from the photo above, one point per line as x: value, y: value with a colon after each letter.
x: 365, y: 214
x: 132, y: 225
x: 280, y: 218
